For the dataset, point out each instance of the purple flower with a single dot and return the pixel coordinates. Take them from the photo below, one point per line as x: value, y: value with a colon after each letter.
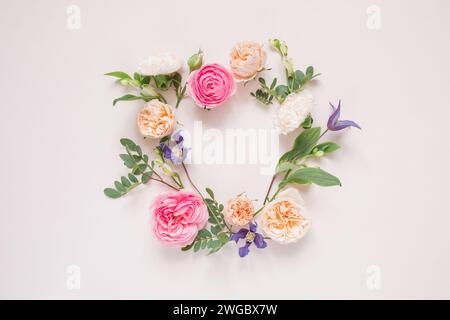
x: 176, y: 153
x: 334, y: 124
x: 251, y: 236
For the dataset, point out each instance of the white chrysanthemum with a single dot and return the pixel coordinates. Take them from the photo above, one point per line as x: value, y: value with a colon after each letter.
x: 164, y: 63
x: 294, y: 110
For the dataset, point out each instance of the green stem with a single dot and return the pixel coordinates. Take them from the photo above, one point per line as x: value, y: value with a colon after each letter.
x: 266, y: 198
x: 180, y: 96
x: 167, y: 184
x: 201, y: 195
x: 323, y: 133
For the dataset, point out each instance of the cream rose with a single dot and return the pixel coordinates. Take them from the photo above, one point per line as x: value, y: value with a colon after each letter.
x: 246, y: 60
x: 239, y: 211
x: 293, y: 111
x: 164, y: 63
x: 156, y: 119
x: 284, y: 219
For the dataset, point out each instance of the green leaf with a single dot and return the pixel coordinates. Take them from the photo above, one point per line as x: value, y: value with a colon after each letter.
x: 325, y: 148
x: 216, y: 229
x: 285, y: 166
x: 312, y: 175
x: 282, y: 91
x: 128, y: 160
x: 118, y: 74
x: 146, y: 176
x: 188, y: 247
x: 307, y: 124
x: 125, y: 182
x: 303, y: 145
x: 307, y: 139
x: 204, y: 233
x: 210, y: 193
x: 223, y: 237
x: 128, y: 143
x: 132, y: 178
x: 128, y: 97
x: 112, y: 193
x: 162, y: 81
x: 197, y: 246
x: 119, y: 187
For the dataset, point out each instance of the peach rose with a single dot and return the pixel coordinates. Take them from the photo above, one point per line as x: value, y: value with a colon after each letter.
x: 239, y: 211
x: 246, y: 60
x: 178, y: 217
x: 284, y: 219
x: 156, y: 119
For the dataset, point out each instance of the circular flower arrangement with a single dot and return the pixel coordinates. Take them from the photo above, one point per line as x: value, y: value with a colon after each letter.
x: 192, y: 219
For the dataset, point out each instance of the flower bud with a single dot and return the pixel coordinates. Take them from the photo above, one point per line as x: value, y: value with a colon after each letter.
x: 319, y: 153
x: 284, y: 49
x: 275, y: 44
x: 289, y: 65
x: 166, y: 169
x: 195, y: 61
x: 149, y: 91
x: 124, y: 82
x: 280, y: 46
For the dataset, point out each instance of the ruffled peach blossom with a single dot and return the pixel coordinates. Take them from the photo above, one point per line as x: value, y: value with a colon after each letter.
x: 239, y: 211
x: 156, y: 119
x: 284, y: 219
x: 246, y: 60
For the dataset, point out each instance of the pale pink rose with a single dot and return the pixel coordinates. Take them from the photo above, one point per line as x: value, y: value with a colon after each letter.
x: 211, y: 85
x: 178, y: 216
x: 247, y: 58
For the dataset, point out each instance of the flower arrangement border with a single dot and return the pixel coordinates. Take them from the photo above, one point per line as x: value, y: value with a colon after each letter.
x: 196, y: 220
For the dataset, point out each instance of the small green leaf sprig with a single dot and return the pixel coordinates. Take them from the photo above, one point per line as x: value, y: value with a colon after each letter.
x: 217, y: 236
x: 151, y: 87
x: 142, y: 170
x: 296, y: 79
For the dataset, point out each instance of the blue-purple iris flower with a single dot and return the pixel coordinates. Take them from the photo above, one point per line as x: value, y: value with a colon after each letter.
x: 176, y: 153
x: 251, y: 236
x: 334, y: 124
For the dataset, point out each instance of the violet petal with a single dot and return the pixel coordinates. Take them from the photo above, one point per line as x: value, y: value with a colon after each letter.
x: 259, y: 241
x: 241, y: 234
x: 243, y: 251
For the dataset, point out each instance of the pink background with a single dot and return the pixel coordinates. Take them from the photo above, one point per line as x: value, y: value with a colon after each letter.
x: 59, y: 139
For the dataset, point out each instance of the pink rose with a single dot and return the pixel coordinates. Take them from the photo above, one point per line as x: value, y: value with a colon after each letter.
x: 178, y: 217
x: 211, y: 85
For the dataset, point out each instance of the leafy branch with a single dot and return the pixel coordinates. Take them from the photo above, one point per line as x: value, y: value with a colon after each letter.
x: 148, y: 86
x: 214, y: 238
x: 291, y: 163
x: 142, y: 171
x: 296, y: 80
